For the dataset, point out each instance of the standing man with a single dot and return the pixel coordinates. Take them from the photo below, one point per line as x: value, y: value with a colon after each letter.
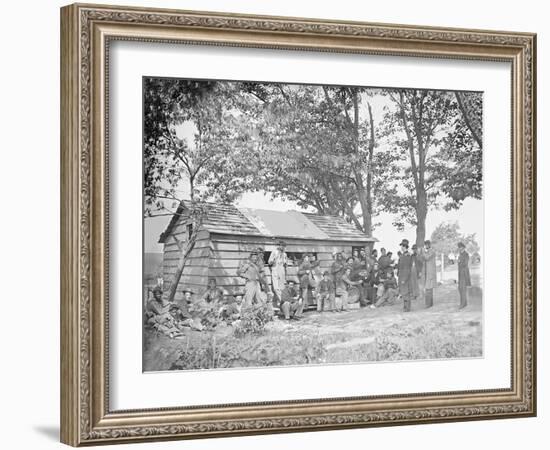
x: 213, y: 293
x: 384, y: 261
x: 250, y: 271
x: 416, y: 267
x: 429, y: 273
x: 404, y: 273
x: 342, y: 285
x: 326, y: 293
x: 363, y: 255
x: 337, y: 267
x: 304, y: 275
x: 278, y: 261
x: 464, y: 280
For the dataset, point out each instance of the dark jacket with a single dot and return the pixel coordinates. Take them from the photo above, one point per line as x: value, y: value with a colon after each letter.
x: 337, y: 270
x: 390, y: 283
x: 463, y: 269
x: 384, y: 262
x: 404, y: 268
x: 326, y: 287
x: 303, y: 274
x: 288, y: 295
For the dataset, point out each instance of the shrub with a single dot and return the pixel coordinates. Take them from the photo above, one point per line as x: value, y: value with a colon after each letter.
x: 253, y: 319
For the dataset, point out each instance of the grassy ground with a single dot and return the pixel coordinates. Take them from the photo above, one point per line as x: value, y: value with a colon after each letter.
x: 382, y: 334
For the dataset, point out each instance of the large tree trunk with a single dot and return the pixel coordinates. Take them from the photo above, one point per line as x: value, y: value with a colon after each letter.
x: 367, y: 215
x: 363, y: 192
x: 421, y: 213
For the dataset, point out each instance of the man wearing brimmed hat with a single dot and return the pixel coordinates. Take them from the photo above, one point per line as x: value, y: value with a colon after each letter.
x: 464, y: 280
x: 251, y: 272
x: 404, y: 269
x: 278, y: 261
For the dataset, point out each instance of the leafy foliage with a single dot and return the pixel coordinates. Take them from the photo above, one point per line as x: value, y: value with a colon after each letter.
x: 253, y: 319
x: 322, y: 147
x: 447, y: 235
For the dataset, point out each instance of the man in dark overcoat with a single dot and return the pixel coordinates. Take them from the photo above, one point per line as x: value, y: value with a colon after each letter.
x: 404, y: 274
x: 464, y: 280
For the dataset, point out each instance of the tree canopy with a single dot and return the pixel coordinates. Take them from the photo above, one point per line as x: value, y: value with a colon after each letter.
x: 348, y: 151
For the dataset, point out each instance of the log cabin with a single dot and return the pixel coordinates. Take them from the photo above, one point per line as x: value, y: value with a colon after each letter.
x: 227, y: 234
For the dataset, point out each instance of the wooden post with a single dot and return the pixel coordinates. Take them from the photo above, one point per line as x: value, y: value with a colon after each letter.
x: 442, y: 266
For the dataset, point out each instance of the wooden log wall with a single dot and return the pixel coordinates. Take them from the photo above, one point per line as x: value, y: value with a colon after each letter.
x: 219, y: 256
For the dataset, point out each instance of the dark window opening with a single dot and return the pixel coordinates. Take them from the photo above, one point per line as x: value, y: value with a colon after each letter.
x: 295, y: 258
x: 365, y: 249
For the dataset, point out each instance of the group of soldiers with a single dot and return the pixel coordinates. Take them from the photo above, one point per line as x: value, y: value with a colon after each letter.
x: 205, y: 313
x: 369, y: 279
x: 373, y: 280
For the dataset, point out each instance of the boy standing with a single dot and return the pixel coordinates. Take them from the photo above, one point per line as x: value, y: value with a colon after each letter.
x: 326, y: 293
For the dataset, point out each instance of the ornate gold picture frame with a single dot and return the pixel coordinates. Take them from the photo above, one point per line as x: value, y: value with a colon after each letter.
x: 86, y: 34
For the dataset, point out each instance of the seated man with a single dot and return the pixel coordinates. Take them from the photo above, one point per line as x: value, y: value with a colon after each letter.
x: 326, y: 293
x: 390, y: 289
x: 231, y: 307
x: 372, y: 283
x: 213, y: 293
x: 291, y: 305
x: 159, y: 316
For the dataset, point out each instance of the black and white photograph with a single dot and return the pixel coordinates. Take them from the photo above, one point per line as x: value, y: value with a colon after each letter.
x: 305, y: 224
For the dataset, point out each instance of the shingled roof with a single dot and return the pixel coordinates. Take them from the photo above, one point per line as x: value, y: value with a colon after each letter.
x: 228, y: 219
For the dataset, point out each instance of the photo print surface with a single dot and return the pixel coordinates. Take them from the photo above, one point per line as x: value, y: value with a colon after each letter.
x: 296, y: 224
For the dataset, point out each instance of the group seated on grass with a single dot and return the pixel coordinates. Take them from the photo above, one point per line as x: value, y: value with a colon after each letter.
x: 358, y: 281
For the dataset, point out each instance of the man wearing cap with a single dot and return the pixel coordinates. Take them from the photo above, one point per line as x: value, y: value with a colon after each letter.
x: 278, y: 261
x: 404, y: 267
x: 291, y: 305
x: 429, y: 273
x: 184, y: 303
x: 252, y: 273
x: 326, y: 293
x: 464, y: 280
